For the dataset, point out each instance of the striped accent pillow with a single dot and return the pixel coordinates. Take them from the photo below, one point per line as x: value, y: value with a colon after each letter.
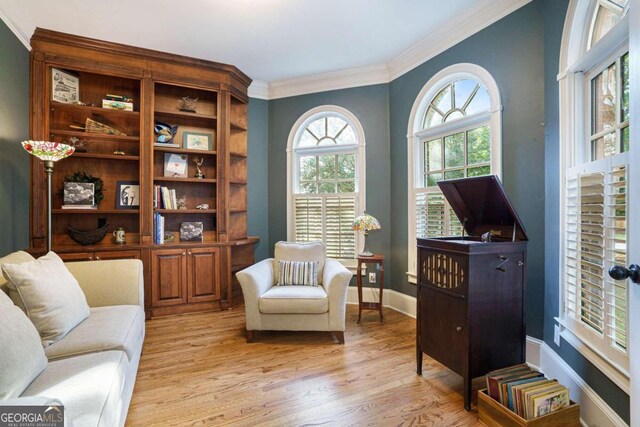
x: 300, y: 273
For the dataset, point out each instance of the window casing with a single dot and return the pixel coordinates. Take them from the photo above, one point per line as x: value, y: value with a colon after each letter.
x: 454, y: 132
x: 326, y: 180
x: 594, y: 121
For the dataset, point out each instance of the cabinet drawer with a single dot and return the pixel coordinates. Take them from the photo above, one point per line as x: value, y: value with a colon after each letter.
x: 443, y: 328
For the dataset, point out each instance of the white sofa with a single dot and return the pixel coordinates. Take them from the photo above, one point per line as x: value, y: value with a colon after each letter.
x: 92, y: 369
x: 295, y: 308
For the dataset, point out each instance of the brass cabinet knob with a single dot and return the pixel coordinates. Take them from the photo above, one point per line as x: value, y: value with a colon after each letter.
x: 458, y: 328
x: 98, y: 258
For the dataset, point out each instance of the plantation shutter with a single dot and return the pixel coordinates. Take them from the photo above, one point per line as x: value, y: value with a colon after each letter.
x: 434, y: 216
x: 596, y: 239
x: 327, y: 218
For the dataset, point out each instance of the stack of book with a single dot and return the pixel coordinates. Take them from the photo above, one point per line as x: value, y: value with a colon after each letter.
x: 164, y: 198
x: 158, y: 228
x: 526, y: 391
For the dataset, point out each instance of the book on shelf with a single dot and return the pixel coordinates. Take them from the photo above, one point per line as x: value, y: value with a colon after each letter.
x: 166, y: 144
x: 79, y: 207
x: 158, y: 222
x: 164, y: 198
x: 527, y: 392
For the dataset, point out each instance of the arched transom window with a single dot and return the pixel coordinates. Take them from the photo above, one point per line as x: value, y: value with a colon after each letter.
x: 326, y: 179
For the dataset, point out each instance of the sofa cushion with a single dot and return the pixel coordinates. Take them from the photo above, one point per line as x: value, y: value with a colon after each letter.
x: 50, y: 295
x: 294, y: 299
x: 13, y: 258
x: 90, y: 386
x: 301, y: 273
x: 289, y: 251
x: 118, y: 327
x: 21, y: 355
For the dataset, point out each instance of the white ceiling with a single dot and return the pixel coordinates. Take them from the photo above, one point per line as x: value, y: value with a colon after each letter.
x: 269, y: 40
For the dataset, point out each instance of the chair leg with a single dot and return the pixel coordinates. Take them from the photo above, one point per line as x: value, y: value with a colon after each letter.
x: 339, y: 336
x: 249, y: 336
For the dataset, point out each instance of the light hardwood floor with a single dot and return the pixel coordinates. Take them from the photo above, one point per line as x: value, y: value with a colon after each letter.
x: 198, y: 370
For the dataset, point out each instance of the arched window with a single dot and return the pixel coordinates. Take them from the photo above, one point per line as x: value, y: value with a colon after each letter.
x: 454, y: 132
x: 594, y: 138
x: 326, y: 179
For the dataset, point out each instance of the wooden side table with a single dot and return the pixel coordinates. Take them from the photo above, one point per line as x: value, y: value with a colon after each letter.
x: 375, y: 259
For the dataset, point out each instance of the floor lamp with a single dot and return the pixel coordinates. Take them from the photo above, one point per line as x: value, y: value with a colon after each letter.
x: 49, y: 152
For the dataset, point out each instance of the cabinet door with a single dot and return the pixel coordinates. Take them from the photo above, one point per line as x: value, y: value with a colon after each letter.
x: 117, y: 255
x: 204, y: 273
x: 443, y: 327
x: 168, y: 277
x: 76, y: 256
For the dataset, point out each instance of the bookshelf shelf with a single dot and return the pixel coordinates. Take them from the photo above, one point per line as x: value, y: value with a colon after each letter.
x: 93, y: 136
x: 235, y: 154
x: 185, y: 115
x: 105, y: 156
x: 185, y: 211
x: 95, y: 211
x: 192, y: 180
x: 85, y: 109
x: 178, y: 150
x: 238, y: 127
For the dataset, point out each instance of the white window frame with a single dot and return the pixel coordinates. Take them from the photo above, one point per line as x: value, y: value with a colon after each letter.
x: 578, y: 64
x: 293, y: 170
x: 416, y: 135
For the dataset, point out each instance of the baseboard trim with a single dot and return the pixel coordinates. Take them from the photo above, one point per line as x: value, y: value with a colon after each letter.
x: 593, y: 410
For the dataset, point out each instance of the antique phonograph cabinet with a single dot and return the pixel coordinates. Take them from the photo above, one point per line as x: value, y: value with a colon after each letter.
x: 470, y: 305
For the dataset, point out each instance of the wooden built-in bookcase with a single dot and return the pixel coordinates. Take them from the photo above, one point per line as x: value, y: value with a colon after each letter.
x: 180, y: 277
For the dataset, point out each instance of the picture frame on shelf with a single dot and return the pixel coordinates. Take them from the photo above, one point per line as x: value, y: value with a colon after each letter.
x: 191, y: 232
x: 175, y: 165
x: 127, y: 195
x: 65, y: 87
x: 197, y: 141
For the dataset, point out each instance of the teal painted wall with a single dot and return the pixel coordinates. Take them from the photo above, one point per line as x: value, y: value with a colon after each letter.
x: 618, y: 400
x: 370, y: 105
x: 14, y: 127
x: 257, y: 175
x: 512, y: 51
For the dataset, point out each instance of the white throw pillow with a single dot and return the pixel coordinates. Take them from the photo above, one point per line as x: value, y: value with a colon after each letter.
x: 50, y: 295
x: 21, y: 354
x: 290, y: 251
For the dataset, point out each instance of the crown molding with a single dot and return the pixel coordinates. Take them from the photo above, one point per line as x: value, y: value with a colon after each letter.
x: 259, y: 89
x: 438, y: 41
x: 17, y: 21
x: 435, y: 43
x: 333, y: 80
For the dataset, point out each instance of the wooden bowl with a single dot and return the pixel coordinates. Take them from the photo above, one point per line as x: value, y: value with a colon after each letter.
x: 87, y: 237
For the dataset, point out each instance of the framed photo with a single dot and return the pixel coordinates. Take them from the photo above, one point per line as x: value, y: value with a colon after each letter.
x: 78, y: 194
x: 197, y: 140
x: 191, y: 231
x: 175, y: 165
x: 127, y: 194
x: 65, y: 87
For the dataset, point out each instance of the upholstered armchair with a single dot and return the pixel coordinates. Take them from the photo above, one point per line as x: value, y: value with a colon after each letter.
x: 295, y: 308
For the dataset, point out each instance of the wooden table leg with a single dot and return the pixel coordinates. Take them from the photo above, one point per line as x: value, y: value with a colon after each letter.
x: 359, y: 283
x: 381, y: 290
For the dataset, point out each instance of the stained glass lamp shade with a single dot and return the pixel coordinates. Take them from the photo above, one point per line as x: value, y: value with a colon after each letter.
x: 366, y: 223
x: 49, y: 152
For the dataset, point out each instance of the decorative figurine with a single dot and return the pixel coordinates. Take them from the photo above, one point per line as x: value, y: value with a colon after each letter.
x: 203, y: 206
x: 187, y: 104
x: 198, y: 161
x: 182, y: 202
x: 118, y: 153
x: 77, y: 143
